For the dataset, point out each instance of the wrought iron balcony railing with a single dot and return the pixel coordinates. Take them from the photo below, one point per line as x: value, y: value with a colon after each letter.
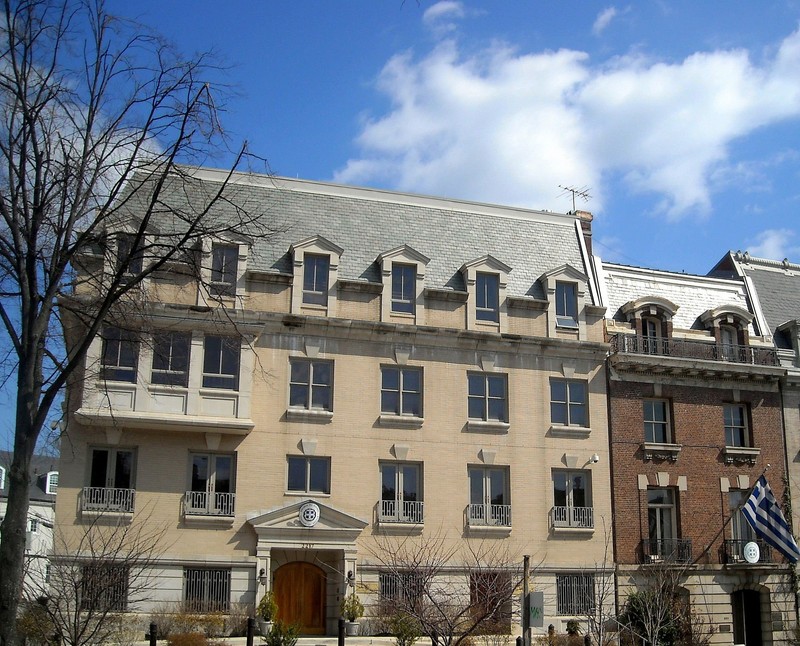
x: 489, y: 515
x: 682, y: 349
x: 675, y: 550
x: 108, y: 499
x: 400, y: 511
x: 204, y: 503
x: 577, y: 517
x: 733, y: 550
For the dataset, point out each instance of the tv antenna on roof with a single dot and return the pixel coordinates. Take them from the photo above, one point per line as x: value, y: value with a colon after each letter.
x: 579, y: 192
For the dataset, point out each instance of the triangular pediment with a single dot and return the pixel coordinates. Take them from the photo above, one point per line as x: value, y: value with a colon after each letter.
x: 284, y: 524
x: 565, y: 271
x: 487, y: 262
x: 404, y: 253
x: 316, y: 244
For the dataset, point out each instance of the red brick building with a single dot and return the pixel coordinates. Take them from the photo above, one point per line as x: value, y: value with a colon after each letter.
x: 694, y: 419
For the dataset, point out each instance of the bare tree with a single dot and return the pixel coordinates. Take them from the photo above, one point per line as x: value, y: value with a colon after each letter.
x: 452, y: 592
x: 99, y: 569
x: 95, y: 116
x: 600, y: 607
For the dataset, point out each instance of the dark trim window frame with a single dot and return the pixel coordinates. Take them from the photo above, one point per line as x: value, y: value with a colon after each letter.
x: 401, y: 391
x: 566, y: 304
x: 657, y: 422
x: 404, y: 288
x: 171, y: 352
x: 736, y: 419
x: 316, y: 272
x: 120, y: 355
x: 569, y: 402
x: 311, y: 384
x: 487, y: 396
x: 487, y: 297
x: 308, y: 474
x: 224, y: 269
x: 221, y: 362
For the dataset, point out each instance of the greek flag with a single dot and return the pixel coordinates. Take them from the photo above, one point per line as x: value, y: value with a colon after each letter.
x: 763, y: 512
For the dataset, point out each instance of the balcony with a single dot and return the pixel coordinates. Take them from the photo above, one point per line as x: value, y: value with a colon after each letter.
x: 489, y: 515
x: 733, y: 551
x: 572, y: 517
x: 107, y: 499
x: 682, y: 349
x: 666, y: 550
x: 204, y: 503
x: 400, y: 511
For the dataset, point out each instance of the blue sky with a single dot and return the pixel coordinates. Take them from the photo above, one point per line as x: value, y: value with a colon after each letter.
x: 681, y: 117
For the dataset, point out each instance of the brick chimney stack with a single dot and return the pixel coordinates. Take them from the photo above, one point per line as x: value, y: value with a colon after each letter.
x: 586, y: 226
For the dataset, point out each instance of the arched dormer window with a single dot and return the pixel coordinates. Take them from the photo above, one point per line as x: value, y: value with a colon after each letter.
x: 729, y: 324
x: 651, y: 318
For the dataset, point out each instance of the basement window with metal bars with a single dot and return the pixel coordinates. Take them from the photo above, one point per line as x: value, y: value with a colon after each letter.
x: 207, y: 589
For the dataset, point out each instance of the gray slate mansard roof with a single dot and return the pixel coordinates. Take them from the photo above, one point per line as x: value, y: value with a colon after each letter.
x: 40, y: 466
x: 366, y: 222
x: 777, y: 286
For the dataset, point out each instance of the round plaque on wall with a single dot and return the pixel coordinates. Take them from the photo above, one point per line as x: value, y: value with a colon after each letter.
x: 309, y: 514
x: 751, y: 552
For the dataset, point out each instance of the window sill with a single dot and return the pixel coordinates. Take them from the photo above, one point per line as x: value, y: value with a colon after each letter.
x: 404, y: 421
x: 208, y: 520
x: 393, y: 527
x: 482, y: 426
x: 490, y: 530
x: 99, y: 514
x: 661, y: 451
x: 740, y: 454
x: 570, y: 431
x: 309, y: 415
x: 307, y: 494
x: 573, y: 531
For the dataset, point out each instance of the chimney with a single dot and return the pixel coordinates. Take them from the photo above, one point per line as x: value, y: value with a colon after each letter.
x: 586, y: 226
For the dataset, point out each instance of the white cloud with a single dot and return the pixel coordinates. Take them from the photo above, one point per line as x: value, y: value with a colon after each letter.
x: 437, y: 17
x: 499, y: 125
x: 603, y: 20
x: 775, y: 244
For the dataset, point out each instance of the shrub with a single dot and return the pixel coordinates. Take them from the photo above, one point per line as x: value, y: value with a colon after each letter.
x: 34, y: 624
x: 282, y: 634
x: 188, y: 639
x: 352, y: 608
x: 267, y: 608
x: 405, y: 628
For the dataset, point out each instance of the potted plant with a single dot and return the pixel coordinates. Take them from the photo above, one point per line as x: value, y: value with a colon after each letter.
x: 265, y: 612
x: 352, y: 611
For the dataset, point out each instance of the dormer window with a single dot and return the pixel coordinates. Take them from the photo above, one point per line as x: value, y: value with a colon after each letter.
x: 129, y: 256
x: 315, y: 279
x: 51, y: 482
x: 404, y: 288
x: 487, y: 297
x: 224, y: 267
x: 566, y: 304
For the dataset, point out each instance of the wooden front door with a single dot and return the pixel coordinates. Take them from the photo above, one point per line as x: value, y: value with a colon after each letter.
x: 300, y: 595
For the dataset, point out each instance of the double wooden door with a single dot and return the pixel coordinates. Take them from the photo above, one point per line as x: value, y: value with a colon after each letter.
x: 300, y: 595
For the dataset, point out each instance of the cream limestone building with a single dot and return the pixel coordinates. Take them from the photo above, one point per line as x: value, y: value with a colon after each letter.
x: 386, y: 368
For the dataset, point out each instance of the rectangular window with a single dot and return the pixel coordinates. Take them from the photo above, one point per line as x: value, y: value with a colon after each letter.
x: 575, y: 594
x: 207, y: 589
x: 656, y: 421
x: 221, y: 362
x: 566, y: 304
x: 33, y: 525
x: 487, y: 399
x: 129, y: 256
x: 120, y: 355
x: 404, y: 288
x: 487, y: 297
x: 171, y: 358
x: 401, y: 492
x: 315, y: 279
x: 572, y: 499
x: 741, y: 530
x: 224, y: 269
x: 111, y: 480
x: 489, y: 501
x: 405, y: 588
x: 401, y: 391
x: 309, y: 474
x: 490, y: 595
x: 51, y: 482
x: 104, y: 588
x: 568, y: 402
x: 311, y: 384
x: 737, y: 432
x: 662, y: 526
x: 211, y: 487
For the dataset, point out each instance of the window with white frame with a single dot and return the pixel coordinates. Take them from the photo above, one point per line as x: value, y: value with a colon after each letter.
x: 662, y: 522
x: 572, y: 499
x: 741, y: 530
x: 171, y: 358
x: 51, y: 482
x: 33, y: 525
x: 207, y: 589
x: 309, y: 474
x: 404, y: 287
x: 2, y: 478
x: 401, y: 391
x: 401, y: 492
x: 487, y: 297
x: 221, y: 355
x: 315, y: 278
x: 224, y: 269
x: 120, y: 355
x: 211, y: 484
x: 566, y: 304
x: 104, y: 588
x: 487, y: 397
x: 575, y: 594
x: 657, y: 427
x: 737, y: 431
x: 311, y: 384
x: 568, y: 402
x: 489, y: 500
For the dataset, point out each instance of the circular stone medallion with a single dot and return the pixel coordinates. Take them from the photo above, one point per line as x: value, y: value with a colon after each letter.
x: 309, y: 514
x: 751, y: 552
